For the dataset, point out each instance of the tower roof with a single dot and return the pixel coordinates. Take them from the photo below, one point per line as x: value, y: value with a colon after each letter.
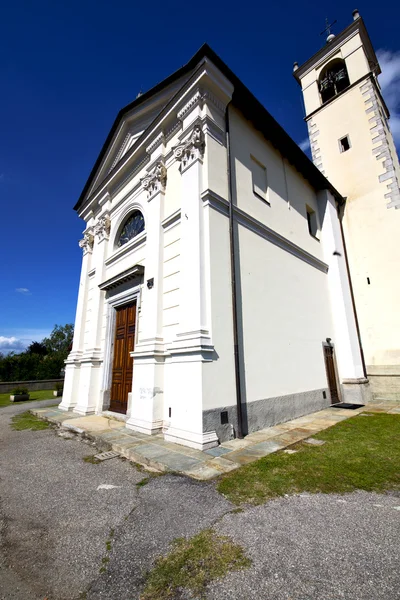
x: 357, y: 26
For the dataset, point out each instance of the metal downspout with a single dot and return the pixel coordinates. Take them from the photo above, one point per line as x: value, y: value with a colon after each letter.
x: 233, y: 281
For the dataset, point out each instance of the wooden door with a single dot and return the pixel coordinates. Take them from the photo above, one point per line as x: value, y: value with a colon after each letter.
x: 122, y: 371
x: 331, y: 373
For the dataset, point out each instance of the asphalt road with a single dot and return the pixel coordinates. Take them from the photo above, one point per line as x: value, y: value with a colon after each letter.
x: 57, y: 514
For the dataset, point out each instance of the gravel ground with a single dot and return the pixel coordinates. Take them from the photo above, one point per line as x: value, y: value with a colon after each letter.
x: 55, y: 522
x: 316, y: 547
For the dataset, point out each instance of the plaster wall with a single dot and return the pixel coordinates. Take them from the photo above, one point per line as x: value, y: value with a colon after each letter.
x: 371, y: 228
x: 288, y: 194
x: 285, y: 318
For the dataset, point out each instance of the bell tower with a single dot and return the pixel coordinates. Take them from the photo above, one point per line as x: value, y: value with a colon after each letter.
x: 351, y: 144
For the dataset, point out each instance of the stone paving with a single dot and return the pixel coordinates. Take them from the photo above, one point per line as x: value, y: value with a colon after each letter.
x: 156, y: 454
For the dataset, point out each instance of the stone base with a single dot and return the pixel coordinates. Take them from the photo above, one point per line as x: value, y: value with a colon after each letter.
x: 146, y: 427
x: 199, y: 441
x: 265, y: 413
x: 66, y: 406
x: 356, y: 391
x: 84, y: 411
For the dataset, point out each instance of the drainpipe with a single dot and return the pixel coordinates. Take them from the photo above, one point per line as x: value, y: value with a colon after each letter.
x: 233, y: 281
x: 351, y: 291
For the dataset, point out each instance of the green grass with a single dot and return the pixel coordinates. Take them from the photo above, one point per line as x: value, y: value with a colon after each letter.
x: 362, y: 453
x: 40, y: 395
x: 192, y: 564
x: 106, y: 559
x: 28, y: 421
x: 90, y: 458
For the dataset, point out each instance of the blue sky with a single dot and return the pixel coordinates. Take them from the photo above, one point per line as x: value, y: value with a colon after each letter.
x: 66, y: 70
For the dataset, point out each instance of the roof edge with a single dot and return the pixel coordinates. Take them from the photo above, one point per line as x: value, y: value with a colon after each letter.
x: 250, y: 107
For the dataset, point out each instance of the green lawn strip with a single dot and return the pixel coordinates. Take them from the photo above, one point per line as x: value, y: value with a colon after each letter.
x: 359, y: 454
x: 40, y: 395
x: 28, y: 421
x: 192, y: 564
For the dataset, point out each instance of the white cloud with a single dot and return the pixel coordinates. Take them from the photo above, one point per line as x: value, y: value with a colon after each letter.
x: 390, y: 83
x: 23, y: 291
x: 17, y: 340
x: 305, y: 144
x: 11, y: 344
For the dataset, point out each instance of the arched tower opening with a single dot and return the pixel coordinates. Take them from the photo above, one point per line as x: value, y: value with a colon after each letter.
x: 333, y: 79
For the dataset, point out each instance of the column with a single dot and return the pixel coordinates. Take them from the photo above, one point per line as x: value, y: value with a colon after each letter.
x: 73, y: 362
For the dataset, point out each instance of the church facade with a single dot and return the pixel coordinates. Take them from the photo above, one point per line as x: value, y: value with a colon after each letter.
x: 352, y: 145
x: 214, y: 297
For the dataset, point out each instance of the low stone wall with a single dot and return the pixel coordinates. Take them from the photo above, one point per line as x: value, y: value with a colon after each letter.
x: 33, y: 386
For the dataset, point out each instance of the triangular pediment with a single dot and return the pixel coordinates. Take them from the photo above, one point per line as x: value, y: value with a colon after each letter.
x: 127, y: 129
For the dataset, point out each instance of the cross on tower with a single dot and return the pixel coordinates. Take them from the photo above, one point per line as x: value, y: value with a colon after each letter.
x: 328, y: 27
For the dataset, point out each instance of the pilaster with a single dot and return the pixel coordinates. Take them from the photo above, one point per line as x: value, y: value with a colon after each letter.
x: 192, y: 346
x: 73, y: 362
x: 186, y: 372
x: 91, y: 361
x: 353, y: 382
x: 146, y: 405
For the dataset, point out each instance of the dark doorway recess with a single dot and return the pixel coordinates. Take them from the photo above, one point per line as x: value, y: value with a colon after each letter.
x: 331, y: 373
x: 122, y: 371
x: 348, y: 405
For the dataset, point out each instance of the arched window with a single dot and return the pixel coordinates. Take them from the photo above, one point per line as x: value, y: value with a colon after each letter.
x: 133, y: 225
x: 333, y: 79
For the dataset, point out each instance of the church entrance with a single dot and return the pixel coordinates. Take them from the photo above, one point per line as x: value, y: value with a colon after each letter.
x: 330, y: 367
x: 122, y: 370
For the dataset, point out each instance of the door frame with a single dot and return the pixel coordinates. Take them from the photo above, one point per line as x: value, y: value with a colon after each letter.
x: 113, y: 302
x: 335, y: 369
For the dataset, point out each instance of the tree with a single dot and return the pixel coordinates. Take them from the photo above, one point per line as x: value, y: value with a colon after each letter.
x: 60, y: 340
x: 41, y: 360
x: 37, y: 348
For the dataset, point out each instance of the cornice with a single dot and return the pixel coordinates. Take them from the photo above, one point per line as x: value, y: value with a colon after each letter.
x: 158, y: 141
x: 206, y: 74
x: 200, y: 97
x: 194, y: 101
x: 172, y: 220
x: 133, y: 244
x: 215, y: 201
x: 132, y: 273
x: 218, y: 203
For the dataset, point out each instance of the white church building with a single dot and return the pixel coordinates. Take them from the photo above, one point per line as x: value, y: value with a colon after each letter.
x: 214, y: 297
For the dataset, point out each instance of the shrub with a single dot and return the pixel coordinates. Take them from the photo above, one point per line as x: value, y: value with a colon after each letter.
x: 19, y: 391
x: 59, y: 386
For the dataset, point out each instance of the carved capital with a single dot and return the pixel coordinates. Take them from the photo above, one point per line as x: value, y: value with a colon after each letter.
x: 192, y: 148
x: 102, y: 228
x: 87, y: 242
x: 156, y: 180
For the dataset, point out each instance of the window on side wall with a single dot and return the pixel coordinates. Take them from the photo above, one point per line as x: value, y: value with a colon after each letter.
x: 312, y: 222
x: 259, y: 179
x: 344, y: 144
